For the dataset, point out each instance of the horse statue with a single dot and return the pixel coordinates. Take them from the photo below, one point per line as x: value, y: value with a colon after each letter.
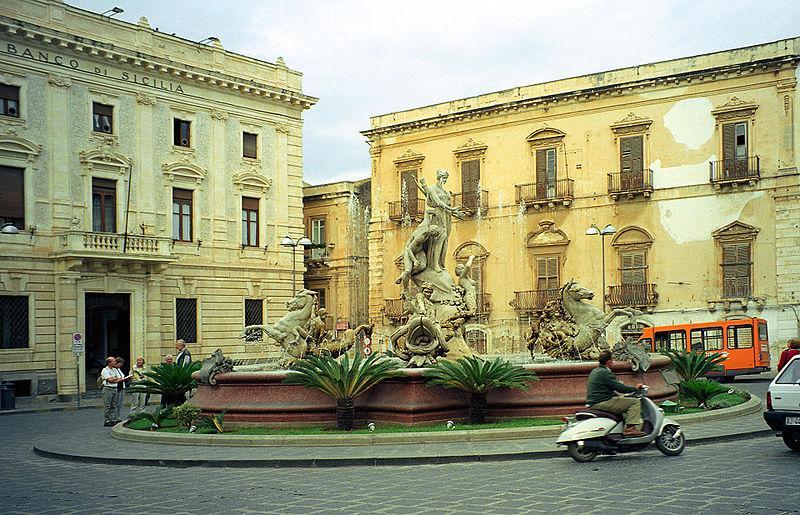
x: 290, y: 332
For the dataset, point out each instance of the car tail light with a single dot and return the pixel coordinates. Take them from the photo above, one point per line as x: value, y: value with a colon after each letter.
x: 769, y: 401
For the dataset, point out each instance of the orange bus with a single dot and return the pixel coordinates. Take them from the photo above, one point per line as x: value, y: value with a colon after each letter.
x: 743, y: 341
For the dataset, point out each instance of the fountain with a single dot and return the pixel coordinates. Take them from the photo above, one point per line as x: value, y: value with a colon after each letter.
x: 438, y: 307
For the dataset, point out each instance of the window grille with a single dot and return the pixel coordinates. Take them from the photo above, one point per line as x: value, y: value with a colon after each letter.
x: 254, y: 315
x: 13, y: 322
x: 186, y: 320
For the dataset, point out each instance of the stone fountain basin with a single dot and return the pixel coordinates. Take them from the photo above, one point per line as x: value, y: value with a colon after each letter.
x: 262, y: 398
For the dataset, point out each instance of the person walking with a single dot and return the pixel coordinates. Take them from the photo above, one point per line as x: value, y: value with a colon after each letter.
x: 111, y: 377
x: 138, y: 400
x: 184, y: 357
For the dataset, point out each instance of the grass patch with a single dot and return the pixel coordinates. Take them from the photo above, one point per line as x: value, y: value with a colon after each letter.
x: 144, y: 425
x: 723, y: 400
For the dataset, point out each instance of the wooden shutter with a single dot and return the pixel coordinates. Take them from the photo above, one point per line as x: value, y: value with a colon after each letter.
x: 736, y: 269
x: 103, y: 110
x: 249, y: 145
x: 250, y: 203
x: 541, y: 173
x: 633, y: 266
x: 728, y: 148
x: 631, y: 165
x: 470, y: 182
x: 547, y: 273
x: 12, y: 194
x: 408, y: 192
x: 181, y: 194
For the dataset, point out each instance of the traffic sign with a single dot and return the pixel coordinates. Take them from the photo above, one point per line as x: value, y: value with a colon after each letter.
x: 367, y: 351
x: 78, y: 346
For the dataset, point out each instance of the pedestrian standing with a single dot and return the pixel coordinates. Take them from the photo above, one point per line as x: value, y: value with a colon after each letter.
x: 119, y: 363
x: 138, y: 400
x: 184, y: 357
x: 792, y: 350
x: 110, y: 393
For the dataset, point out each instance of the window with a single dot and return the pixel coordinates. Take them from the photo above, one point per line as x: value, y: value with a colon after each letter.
x: 250, y: 221
x: 631, y: 150
x: 254, y: 315
x: 546, y: 173
x: 322, y: 299
x: 181, y: 133
x: 9, y: 100
x: 734, y: 149
x: 476, y: 340
x: 547, y: 273
x: 790, y: 373
x: 671, y: 340
x: 408, y: 193
x: 12, y: 196
x: 736, y: 265
x: 471, y: 183
x: 104, y: 205
x: 181, y: 214
x: 13, y: 322
x: 633, y: 266
x: 706, y: 339
x: 762, y: 332
x: 102, y: 118
x: 249, y: 145
x: 186, y: 320
x: 318, y: 238
x: 740, y: 337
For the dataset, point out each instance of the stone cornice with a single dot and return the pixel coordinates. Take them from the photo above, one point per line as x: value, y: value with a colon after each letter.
x: 586, y: 94
x: 168, y: 69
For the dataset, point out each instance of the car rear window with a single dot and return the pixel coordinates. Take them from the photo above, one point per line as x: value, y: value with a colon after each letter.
x: 790, y: 373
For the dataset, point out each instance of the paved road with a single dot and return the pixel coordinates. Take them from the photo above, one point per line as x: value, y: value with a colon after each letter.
x: 750, y: 476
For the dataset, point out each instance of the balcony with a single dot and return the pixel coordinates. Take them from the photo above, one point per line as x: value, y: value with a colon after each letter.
x: 318, y: 254
x: 735, y: 171
x: 393, y: 310
x: 530, y: 301
x: 82, y: 244
x: 472, y: 202
x: 540, y: 194
x: 484, y: 308
x: 632, y: 296
x: 630, y: 184
x: 411, y: 210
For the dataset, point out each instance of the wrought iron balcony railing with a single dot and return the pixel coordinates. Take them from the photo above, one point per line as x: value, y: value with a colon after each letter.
x: 318, y: 253
x: 528, y: 301
x: 737, y: 288
x: 632, y: 295
x: 109, y: 245
x: 730, y: 171
x: 472, y: 202
x: 393, y: 309
x: 630, y: 183
x: 537, y: 194
x: 412, y: 209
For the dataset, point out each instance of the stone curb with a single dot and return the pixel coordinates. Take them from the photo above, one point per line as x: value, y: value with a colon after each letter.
x: 475, y: 435
x: 48, y: 409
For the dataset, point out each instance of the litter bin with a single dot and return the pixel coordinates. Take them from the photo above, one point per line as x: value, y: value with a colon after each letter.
x: 7, y: 400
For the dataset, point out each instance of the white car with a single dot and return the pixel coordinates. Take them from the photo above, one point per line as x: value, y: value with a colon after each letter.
x: 783, y: 404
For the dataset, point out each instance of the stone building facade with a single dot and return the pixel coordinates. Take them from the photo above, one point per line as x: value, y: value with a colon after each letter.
x: 693, y: 161
x: 151, y: 179
x: 337, y: 222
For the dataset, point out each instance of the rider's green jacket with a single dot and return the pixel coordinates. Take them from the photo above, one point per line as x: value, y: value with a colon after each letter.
x: 602, y: 385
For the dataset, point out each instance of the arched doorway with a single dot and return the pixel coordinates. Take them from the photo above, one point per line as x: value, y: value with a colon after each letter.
x: 108, y: 330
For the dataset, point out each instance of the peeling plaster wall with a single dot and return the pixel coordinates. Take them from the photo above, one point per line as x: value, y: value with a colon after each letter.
x: 690, y: 121
x: 685, y: 175
x: 694, y: 219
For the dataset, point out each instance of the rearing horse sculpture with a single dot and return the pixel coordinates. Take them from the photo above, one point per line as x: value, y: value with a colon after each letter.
x: 592, y: 322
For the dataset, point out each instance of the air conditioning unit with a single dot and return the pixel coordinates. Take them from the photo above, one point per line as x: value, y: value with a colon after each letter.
x: 184, y: 142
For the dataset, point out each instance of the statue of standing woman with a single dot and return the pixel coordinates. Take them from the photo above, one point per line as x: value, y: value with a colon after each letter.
x: 438, y: 212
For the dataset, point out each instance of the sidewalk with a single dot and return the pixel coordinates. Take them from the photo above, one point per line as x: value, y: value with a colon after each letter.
x: 94, y: 444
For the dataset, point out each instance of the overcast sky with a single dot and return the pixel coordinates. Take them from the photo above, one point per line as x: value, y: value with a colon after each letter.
x: 363, y: 58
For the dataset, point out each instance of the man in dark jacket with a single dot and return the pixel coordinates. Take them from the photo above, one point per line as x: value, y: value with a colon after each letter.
x: 184, y: 357
x: 601, y: 394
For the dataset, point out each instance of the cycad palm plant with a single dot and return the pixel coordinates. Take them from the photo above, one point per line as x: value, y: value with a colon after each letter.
x: 478, y: 376
x: 342, y: 378
x: 170, y: 381
x: 701, y: 391
x: 694, y: 365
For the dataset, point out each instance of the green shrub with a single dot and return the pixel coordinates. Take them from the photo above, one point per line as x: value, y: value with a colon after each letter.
x: 694, y: 365
x: 478, y: 376
x: 215, y: 424
x: 170, y: 381
x: 157, y: 417
x: 701, y: 391
x: 186, y: 414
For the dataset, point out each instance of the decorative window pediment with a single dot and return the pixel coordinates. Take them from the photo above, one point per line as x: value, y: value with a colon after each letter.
x: 105, y: 157
x: 631, y: 124
x: 734, y: 109
x: 735, y: 231
x: 409, y: 159
x: 469, y: 149
x: 252, y: 181
x: 547, y: 236
x: 471, y: 248
x: 631, y: 238
x: 183, y: 171
x: 545, y: 137
x: 16, y: 147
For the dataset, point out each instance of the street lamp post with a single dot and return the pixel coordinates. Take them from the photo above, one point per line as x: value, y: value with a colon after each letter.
x: 304, y: 242
x: 607, y: 230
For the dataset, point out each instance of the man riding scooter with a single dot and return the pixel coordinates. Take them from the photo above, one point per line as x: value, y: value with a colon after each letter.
x: 601, y: 394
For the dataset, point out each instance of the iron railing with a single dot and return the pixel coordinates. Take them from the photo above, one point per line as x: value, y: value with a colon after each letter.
x: 738, y: 288
x: 393, y: 309
x: 319, y: 252
x: 542, y: 192
x: 744, y: 169
x: 628, y: 182
x: 533, y: 300
x: 472, y: 202
x: 413, y: 209
x: 632, y: 295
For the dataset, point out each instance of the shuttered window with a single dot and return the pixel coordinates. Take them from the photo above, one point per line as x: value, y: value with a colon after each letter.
x: 546, y: 163
x: 547, y: 273
x: 408, y: 192
x: 631, y: 159
x: 102, y: 118
x: 9, y: 100
x: 181, y: 214
x: 12, y: 196
x: 734, y: 149
x: 633, y: 266
x: 249, y: 145
x: 250, y: 221
x: 736, y: 267
x: 470, y: 183
x: 104, y: 205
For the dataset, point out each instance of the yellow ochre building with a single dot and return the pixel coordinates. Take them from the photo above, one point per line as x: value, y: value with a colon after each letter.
x: 145, y: 184
x: 692, y: 161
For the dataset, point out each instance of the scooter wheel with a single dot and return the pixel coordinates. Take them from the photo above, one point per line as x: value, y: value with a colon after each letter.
x: 579, y: 453
x: 669, y: 443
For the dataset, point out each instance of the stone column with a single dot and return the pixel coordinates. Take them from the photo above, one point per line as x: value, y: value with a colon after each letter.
x: 153, y: 346
x: 786, y: 157
x: 376, y: 246
x: 67, y: 312
x: 787, y: 241
x: 59, y: 149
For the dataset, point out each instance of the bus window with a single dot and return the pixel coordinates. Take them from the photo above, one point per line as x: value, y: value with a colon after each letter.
x: 706, y: 339
x: 671, y: 340
x: 646, y: 344
x: 740, y: 337
x: 762, y: 332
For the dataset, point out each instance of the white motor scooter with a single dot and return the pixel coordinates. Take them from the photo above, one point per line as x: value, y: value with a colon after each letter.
x: 591, y: 432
